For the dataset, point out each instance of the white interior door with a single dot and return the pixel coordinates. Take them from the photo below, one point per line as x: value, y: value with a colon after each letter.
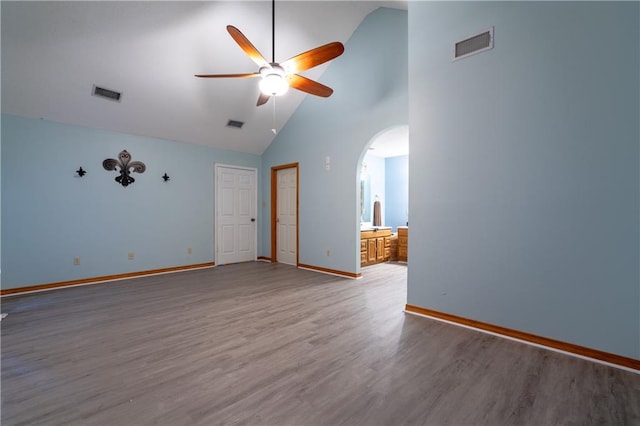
x: 287, y: 216
x: 236, y: 225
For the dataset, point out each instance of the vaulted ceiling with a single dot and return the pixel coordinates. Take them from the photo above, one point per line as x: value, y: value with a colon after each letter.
x: 53, y: 53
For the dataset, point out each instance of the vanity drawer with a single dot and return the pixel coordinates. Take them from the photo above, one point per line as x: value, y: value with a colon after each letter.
x: 365, y: 235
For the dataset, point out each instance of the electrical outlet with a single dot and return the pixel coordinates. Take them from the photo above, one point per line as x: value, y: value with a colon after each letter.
x: 76, y: 261
x: 189, y: 250
x: 132, y: 255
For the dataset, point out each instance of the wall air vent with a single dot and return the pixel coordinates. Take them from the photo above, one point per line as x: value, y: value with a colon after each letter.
x: 235, y: 124
x: 474, y: 44
x: 101, y: 92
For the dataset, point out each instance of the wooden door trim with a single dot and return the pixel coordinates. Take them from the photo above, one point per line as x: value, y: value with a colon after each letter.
x: 274, y: 209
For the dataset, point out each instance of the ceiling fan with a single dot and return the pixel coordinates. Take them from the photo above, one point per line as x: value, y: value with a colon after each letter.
x: 278, y: 77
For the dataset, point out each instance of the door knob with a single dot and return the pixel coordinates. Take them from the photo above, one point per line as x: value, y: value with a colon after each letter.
x: 253, y: 219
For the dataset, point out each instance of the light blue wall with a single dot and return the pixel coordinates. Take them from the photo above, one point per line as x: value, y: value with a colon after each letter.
x: 370, y: 84
x: 397, y: 191
x: 50, y: 216
x: 524, y: 168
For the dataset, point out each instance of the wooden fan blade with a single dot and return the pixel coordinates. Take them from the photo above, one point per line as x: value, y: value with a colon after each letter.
x: 310, y: 86
x: 313, y: 57
x: 246, y: 45
x: 246, y: 75
x: 262, y: 99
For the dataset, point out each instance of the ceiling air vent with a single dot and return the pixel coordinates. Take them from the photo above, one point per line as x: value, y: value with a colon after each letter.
x: 101, y: 92
x: 235, y: 124
x: 474, y: 44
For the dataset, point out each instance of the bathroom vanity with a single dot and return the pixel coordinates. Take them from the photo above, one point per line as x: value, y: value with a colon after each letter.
x: 377, y: 244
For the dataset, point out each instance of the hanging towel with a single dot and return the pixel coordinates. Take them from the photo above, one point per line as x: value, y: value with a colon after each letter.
x: 377, y: 215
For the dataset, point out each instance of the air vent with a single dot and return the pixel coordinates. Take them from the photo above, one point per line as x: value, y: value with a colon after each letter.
x: 235, y: 124
x: 474, y: 44
x: 106, y: 93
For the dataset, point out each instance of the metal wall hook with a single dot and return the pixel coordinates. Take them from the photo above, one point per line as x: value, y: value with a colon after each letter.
x: 81, y: 172
x: 166, y: 177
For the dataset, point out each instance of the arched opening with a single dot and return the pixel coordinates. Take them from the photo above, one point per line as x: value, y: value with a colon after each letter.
x: 383, y: 194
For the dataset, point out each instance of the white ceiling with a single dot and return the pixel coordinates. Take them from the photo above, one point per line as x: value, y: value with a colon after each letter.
x: 54, y: 52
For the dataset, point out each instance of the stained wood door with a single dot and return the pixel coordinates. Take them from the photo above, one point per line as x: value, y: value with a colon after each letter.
x: 236, y: 214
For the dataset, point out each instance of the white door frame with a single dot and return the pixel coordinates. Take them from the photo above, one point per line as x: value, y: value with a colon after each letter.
x: 217, y: 166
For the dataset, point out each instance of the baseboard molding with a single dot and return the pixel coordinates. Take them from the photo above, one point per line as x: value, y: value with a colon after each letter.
x: 95, y: 280
x: 570, y: 348
x: 264, y: 259
x: 330, y: 271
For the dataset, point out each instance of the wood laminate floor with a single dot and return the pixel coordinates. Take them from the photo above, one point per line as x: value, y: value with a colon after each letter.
x: 269, y: 344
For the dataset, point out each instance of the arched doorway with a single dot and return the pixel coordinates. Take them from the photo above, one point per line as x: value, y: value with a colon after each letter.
x: 383, y: 192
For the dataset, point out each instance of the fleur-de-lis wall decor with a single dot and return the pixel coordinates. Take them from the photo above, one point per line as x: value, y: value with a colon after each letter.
x: 126, y: 167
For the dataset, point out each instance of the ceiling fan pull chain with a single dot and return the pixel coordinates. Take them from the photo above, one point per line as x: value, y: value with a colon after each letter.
x: 273, y: 129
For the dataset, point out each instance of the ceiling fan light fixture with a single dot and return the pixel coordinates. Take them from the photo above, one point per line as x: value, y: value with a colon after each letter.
x: 273, y: 81
x: 274, y: 85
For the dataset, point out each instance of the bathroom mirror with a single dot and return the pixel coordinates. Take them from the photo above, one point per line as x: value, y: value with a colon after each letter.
x: 365, y: 199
